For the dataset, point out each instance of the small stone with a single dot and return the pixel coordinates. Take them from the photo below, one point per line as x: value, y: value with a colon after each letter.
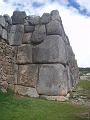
x: 56, y: 98
x: 3, y: 90
x: 4, y: 85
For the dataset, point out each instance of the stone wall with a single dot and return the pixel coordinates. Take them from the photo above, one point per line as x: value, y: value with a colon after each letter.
x: 42, y: 60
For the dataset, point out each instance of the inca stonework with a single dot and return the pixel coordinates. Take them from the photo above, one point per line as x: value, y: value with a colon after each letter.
x: 35, y: 55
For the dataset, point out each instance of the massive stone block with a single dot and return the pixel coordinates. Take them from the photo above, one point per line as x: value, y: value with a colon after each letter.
x: 52, y: 79
x: 52, y: 50
x: 33, y: 20
x: 28, y: 75
x: 54, y: 28
x: 55, y: 15
x: 2, y: 21
x: 16, y: 35
x: 24, y: 55
x: 18, y: 17
x: 39, y: 34
x: 45, y: 18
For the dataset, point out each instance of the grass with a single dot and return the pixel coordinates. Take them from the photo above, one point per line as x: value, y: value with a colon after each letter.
x: 82, y: 89
x: 85, y: 84
x: 23, y: 108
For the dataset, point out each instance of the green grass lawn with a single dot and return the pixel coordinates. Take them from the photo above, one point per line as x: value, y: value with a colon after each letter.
x: 22, y: 108
x: 85, y: 84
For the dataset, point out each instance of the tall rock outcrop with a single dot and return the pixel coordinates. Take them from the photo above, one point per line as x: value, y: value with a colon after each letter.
x: 42, y: 61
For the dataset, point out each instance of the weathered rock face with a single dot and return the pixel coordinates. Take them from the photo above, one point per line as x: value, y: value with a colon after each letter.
x: 35, y: 55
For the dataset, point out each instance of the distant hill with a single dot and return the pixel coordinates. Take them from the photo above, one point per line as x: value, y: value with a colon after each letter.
x: 84, y: 70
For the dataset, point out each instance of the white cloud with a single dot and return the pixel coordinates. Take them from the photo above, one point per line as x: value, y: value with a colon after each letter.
x: 76, y: 26
x: 6, y: 8
x: 84, y: 4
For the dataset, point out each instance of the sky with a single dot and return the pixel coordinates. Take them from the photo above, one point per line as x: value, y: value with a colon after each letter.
x: 75, y: 15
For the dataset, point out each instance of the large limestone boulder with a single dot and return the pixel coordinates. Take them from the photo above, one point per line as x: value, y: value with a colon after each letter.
x: 52, y: 50
x: 52, y: 80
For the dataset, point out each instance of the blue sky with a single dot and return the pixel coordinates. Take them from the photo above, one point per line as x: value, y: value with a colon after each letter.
x: 75, y: 16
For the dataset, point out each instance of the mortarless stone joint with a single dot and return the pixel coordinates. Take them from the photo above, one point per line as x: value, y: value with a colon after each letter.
x: 35, y: 55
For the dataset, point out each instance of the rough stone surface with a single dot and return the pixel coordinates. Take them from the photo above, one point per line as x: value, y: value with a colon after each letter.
x: 26, y: 38
x: 4, y: 34
x: 16, y: 35
x: 54, y: 28
x: 52, y: 79
x: 2, y: 21
x: 0, y: 31
x: 28, y: 75
x: 55, y: 15
x: 36, y: 57
x: 28, y: 28
x: 24, y: 55
x: 39, y: 34
x: 26, y: 91
x: 45, y: 18
x: 56, y: 98
x: 8, y: 19
x: 18, y: 17
x: 52, y: 50
x: 33, y: 20
x: 6, y: 63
